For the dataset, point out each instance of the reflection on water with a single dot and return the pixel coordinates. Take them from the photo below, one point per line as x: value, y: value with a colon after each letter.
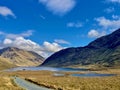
x: 92, y: 75
x: 84, y: 75
x: 60, y: 70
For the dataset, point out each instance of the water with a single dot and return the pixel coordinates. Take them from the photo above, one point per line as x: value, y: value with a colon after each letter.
x: 84, y: 75
x: 60, y: 70
x: 47, y: 68
x: 58, y: 74
x: 92, y: 75
x: 27, y: 85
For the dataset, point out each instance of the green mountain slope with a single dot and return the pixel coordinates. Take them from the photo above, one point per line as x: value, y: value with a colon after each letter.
x: 104, y: 51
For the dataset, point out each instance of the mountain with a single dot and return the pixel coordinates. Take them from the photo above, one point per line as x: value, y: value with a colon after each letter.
x: 5, y: 63
x: 21, y: 57
x: 103, y: 51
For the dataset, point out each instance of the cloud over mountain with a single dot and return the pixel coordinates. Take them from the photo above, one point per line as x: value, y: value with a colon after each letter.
x: 95, y: 33
x: 19, y: 41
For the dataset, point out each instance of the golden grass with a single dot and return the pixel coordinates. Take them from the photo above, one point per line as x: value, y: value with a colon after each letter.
x: 73, y: 83
x: 6, y: 83
x: 46, y: 78
x: 5, y: 63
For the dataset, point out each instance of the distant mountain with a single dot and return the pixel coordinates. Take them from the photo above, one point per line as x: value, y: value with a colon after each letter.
x: 21, y: 57
x: 104, y: 51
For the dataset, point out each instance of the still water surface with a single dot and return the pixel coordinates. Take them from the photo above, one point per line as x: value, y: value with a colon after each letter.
x: 60, y: 70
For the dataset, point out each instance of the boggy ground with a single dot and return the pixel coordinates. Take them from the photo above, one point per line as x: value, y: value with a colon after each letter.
x: 46, y: 78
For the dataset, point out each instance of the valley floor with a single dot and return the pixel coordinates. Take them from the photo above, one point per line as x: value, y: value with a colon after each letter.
x: 46, y: 79
x: 7, y: 83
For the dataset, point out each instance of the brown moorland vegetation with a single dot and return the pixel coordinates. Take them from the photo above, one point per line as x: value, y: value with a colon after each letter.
x: 46, y: 78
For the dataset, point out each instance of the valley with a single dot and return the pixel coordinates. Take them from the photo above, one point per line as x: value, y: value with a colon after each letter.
x: 67, y: 82
x: 93, y: 67
x: 59, y: 44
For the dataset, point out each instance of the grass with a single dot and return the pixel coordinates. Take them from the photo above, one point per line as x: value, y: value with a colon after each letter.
x: 6, y: 83
x: 5, y: 63
x: 46, y: 78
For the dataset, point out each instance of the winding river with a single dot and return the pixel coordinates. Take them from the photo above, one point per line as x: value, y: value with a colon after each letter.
x: 47, y: 68
x: 57, y: 72
x: 27, y: 85
x: 60, y: 70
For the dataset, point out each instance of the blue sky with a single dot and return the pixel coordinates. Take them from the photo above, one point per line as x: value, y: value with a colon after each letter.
x: 47, y: 26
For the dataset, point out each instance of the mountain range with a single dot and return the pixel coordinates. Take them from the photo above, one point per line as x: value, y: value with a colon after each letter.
x: 103, y: 51
x: 12, y: 56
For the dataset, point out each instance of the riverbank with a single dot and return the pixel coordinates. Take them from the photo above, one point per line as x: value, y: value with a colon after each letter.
x: 67, y: 82
x: 27, y: 85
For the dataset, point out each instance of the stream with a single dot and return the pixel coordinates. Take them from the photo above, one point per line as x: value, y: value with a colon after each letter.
x: 27, y: 85
x: 57, y: 73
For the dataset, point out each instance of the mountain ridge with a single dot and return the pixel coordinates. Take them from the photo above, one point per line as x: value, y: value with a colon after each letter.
x: 20, y: 57
x: 104, y: 51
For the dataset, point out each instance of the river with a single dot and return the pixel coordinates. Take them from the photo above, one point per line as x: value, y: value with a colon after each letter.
x: 60, y: 70
x: 27, y: 85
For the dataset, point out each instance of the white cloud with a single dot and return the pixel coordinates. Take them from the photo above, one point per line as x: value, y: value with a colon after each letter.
x: 19, y: 41
x: 114, y: 1
x: 27, y: 33
x: 12, y: 36
x: 59, y: 7
x: 22, y: 43
x: 109, y: 10
x: 108, y: 23
x: 4, y: 11
x: 52, y: 47
x: 61, y: 41
x: 95, y: 34
x: 74, y: 24
x: 105, y: 26
x: 7, y: 41
x: 115, y: 17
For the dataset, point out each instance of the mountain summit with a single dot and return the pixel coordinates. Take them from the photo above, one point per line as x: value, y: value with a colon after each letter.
x: 104, y: 51
x: 21, y: 57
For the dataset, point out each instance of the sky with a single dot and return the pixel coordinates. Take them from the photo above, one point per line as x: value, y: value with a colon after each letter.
x: 47, y: 26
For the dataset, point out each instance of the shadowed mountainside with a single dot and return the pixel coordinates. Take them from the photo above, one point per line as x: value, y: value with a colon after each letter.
x: 103, y: 51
